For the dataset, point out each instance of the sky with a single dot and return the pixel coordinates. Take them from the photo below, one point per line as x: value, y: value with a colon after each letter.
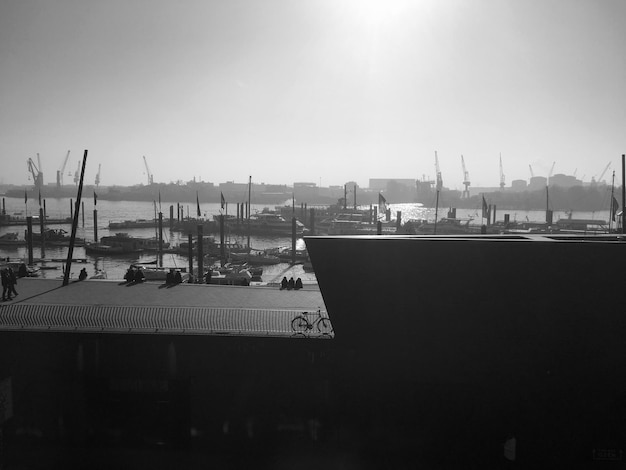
x: 321, y: 91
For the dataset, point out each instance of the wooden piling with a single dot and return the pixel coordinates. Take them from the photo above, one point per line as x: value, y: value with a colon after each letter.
x: 42, y: 232
x: 200, y: 253
x: 190, y: 253
x: 29, y: 238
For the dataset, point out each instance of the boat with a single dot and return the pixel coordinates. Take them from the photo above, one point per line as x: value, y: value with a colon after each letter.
x: 448, y: 226
x: 10, y: 220
x: 137, y: 223
x: 11, y: 239
x: 57, y: 237
x: 255, y: 258
x: 132, y: 244
x: 263, y: 223
x: 159, y: 273
x: 582, y: 226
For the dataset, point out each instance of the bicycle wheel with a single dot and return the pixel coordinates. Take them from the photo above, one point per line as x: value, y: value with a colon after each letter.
x: 300, y: 324
x: 324, y: 326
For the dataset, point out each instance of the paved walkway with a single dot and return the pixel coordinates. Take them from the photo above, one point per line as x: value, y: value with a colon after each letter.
x: 153, y: 308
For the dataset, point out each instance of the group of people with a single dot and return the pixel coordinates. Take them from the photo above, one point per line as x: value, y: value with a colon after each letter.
x: 9, y: 281
x: 133, y: 275
x: 290, y: 284
x: 173, y: 277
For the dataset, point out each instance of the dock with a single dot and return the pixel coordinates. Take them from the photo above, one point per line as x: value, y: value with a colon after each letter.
x: 103, y: 306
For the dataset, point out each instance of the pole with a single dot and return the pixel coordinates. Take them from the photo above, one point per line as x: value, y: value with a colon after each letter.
x: 161, y: 238
x: 95, y: 225
x: 42, y: 233
x: 29, y: 238
x: 222, y: 247
x: 249, y: 200
x: 312, y: 221
x: 82, y: 205
x: 71, y: 209
x: 70, y: 251
x: 436, y: 212
x: 293, y: 240
x: 200, y: 253
x: 190, y: 253
x: 171, y: 217
x: 623, y: 193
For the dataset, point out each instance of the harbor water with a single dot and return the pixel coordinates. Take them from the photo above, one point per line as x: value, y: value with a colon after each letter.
x: 118, y: 211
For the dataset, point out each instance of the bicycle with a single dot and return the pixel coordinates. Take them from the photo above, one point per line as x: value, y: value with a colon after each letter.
x: 302, y: 323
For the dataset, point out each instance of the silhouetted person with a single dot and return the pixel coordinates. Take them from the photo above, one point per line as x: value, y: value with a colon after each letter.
x: 139, y: 277
x: 22, y: 271
x: 298, y: 284
x: 284, y: 284
x: 169, y: 277
x: 130, y: 275
x: 6, y: 289
x: 291, y: 284
x: 12, y: 281
x: 178, y: 278
x: 83, y: 275
x: 207, y: 276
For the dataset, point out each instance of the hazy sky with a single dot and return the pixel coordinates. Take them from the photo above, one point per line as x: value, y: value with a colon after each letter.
x: 323, y: 91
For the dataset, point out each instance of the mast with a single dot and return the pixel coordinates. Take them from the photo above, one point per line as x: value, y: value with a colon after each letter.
x: 249, y: 207
x: 612, y: 214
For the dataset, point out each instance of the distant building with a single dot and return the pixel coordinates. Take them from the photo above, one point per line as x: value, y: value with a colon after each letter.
x: 537, y: 182
x: 519, y: 185
x: 380, y: 184
x: 565, y: 181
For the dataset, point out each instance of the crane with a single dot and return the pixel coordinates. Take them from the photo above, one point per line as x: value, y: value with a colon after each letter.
x: 36, y: 172
x: 438, y: 170
x: 77, y: 174
x: 603, y: 172
x: 502, y: 184
x: 532, y: 174
x: 98, y: 176
x: 150, y: 177
x: 466, y: 181
x: 60, y: 172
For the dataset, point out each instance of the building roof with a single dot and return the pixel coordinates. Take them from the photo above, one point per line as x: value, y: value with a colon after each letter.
x: 114, y: 307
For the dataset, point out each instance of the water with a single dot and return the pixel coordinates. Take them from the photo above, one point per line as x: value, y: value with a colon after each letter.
x: 115, y: 267
x: 117, y: 211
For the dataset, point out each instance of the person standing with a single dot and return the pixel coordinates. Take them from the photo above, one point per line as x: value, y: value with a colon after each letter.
x: 12, y: 281
x: 6, y: 291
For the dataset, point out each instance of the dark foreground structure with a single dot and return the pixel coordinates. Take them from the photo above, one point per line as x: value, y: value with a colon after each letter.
x: 447, y: 352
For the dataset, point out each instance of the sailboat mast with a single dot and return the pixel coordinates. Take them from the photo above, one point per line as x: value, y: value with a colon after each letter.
x: 249, y: 206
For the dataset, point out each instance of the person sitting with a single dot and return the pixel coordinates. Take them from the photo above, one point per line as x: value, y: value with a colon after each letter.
x: 298, y: 284
x: 83, y: 275
x: 130, y: 275
x: 139, y: 277
x: 284, y: 284
x: 178, y: 278
x: 169, y: 277
x: 291, y: 284
x: 207, y: 276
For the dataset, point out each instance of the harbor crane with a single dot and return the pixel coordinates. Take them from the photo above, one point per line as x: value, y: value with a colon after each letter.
x: 36, y: 172
x: 466, y: 180
x: 150, y: 176
x: 98, y: 176
x: 438, y: 170
x: 77, y: 174
x: 532, y: 173
x: 62, y: 170
x: 502, y: 183
x: 593, y: 179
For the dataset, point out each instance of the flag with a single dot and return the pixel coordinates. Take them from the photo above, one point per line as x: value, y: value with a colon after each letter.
x: 614, y: 208
x: 222, y: 200
x: 485, y: 209
x: 382, y: 204
x: 95, y: 198
x: 198, y: 205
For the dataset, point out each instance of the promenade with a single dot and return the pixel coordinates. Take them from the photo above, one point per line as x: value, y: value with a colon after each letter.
x: 103, y: 306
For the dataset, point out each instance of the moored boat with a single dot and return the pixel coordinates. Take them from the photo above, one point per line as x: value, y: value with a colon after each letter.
x: 126, y: 242
x: 11, y: 239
